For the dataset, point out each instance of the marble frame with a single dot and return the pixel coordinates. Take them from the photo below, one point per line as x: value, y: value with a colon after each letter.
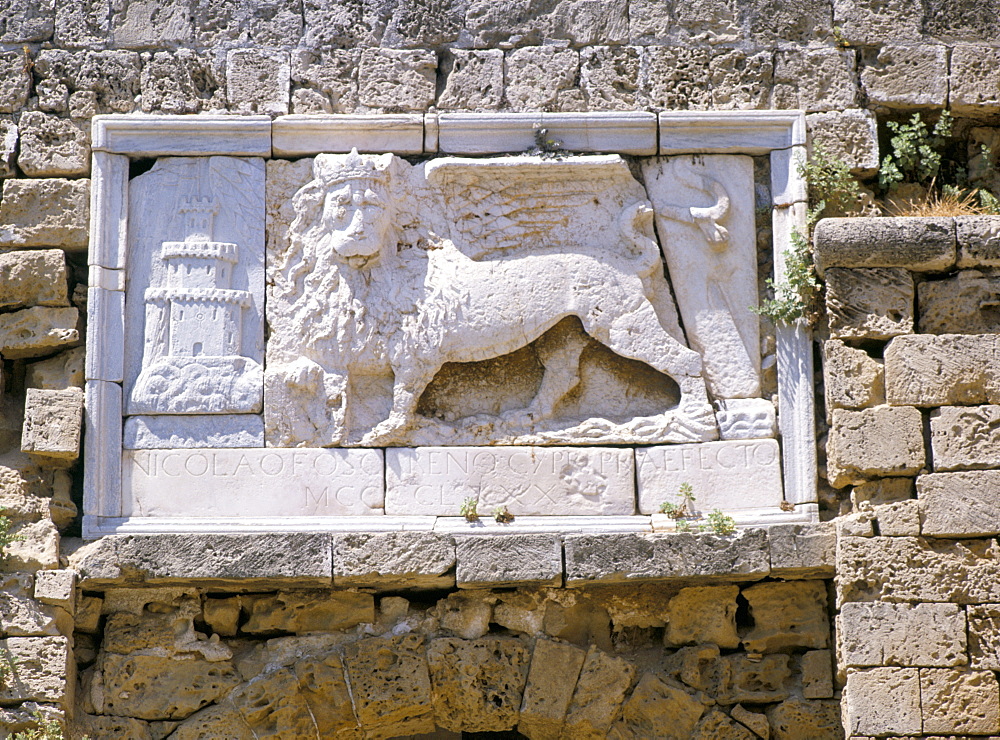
x: 120, y: 138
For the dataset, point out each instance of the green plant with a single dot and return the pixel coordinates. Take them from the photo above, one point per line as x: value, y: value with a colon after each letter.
x: 683, y: 525
x: 468, y: 509
x: 718, y: 522
x: 544, y: 146
x: 686, y: 491
x: 839, y: 39
x: 6, y: 538
x: 833, y: 190
x: 47, y: 730
x: 797, y: 296
x: 674, y: 511
x: 916, y: 151
x: 8, y: 665
x: 502, y: 515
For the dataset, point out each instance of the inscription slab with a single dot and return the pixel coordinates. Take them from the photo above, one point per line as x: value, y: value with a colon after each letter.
x: 527, y: 480
x: 731, y: 475
x: 252, y: 482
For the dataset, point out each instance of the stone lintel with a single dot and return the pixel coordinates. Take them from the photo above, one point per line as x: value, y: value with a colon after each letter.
x: 300, y: 135
x: 183, y: 136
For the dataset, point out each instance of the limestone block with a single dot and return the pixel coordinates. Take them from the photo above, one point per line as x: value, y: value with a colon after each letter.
x: 477, y: 684
x: 720, y: 473
x: 899, y: 519
x: 344, y: 25
x: 169, y: 633
x: 53, y: 146
x: 850, y: 136
x: 324, y: 80
x: 24, y: 717
x: 109, y: 79
x: 21, y: 21
x: 873, y: 22
x: 417, y: 24
x: 965, y: 437
x: 264, y: 24
x: 975, y: 79
x: 38, y: 548
x: 963, y: 21
x: 258, y: 80
x: 904, y: 76
x: 20, y: 615
x: 926, y: 370
x: 218, y: 720
x: 323, y: 685
x: 273, y: 707
x: 473, y: 80
x: 413, y: 559
x: 716, y: 21
x: 883, y: 491
x: 15, y: 81
x: 597, y: 699
x: 33, y: 278
x: 464, y: 613
x: 880, y: 634
x: 883, y: 700
x: 397, y: 80
x: 45, y: 213
x: 183, y: 81
x: 702, y: 614
x: 817, y: 674
x: 787, y: 615
x: 965, y: 303
x: 966, y: 702
x: 62, y: 371
x: 222, y: 615
x: 795, y: 718
x: 42, y: 666
x: 984, y: 636
x: 759, y: 681
x: 309, y: 611
x: 657, y: 709
x: 869, y: 302
x: 542, y: 78
x: 852, y: 378
x: 88, y: 614
x: 499, y: 561
x: 772, y: 21
x: 802, y: 550
x: 815, y: 79
x: 741, y: 80
x: 755, y: 721
x: 173, y: 432
x: 391, y: 685
x: 56, y: 587
x: 575, y: 21
x: 746, y: 418
x: 53, y: 422
x: 858, y: 524
x: 36, y: 331
x: 8, y: 145
x: 965, y: 504
x: 676, y: 78
x: 884, y: 441
x: 81, y: 24
x: 136, y: 24
x: 901, y: 569
x: 555, y: 667
x: 609, y: 77
x: 918, y: 244
x: 978, y: 239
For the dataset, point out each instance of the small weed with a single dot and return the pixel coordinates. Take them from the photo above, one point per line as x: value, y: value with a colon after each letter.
x: 839, y: 39
x: 833, y: 190
x: 718, y: 522
x: 468, y: 510
x: 951, y: 201
x: 47, y: 730
x: 683, y: 525
x: 797, y: 296
x: 502, y: 515
x: 786, y: 506
x: 916, y: 151
x: 544, y: 146
x: 6, y: 538
x: 674, y: 511
x: 8, y: 665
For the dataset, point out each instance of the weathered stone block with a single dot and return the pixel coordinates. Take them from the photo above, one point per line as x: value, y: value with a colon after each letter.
x: 600, y: 690
x: 397, y: 80
x: 258, y: 80
x: 65, y: 370
x: 978, y: 240
x: 787, y: 615
x: 626, y: 557
x: 497, y: 561
x: 183, y: 81
x: 473, y: 80
x: 796, y: 718
x: 772, y: 21
x: 961, y: 20
x: 869, y: 302
x: 222, y: 719
x: 873, y: 22
x: 38, y: 548
x: 872, y: 443
x: 850, y: 136
x: 966, y: 702
x: 277, y: 23
x: 22, y: 22
x: 325, y: 81
x: 817, y: 674
x: 139, y: 24
x: 717, y: 21
x: 53, y: 146
x: 477, y: 685
x: 309, y: 611
x: 883, y: 491
x: 815, y: 79
x: 15, y: 81
x: 741, y: 81
x: 45, y: 213
x: 965, y: 438
x: 53, y: 422
x: 222, y: 615
x: 416, y: 559
x: 965, y: 504
x: 676, y: 77
x: 881, y: 634
x: 899, y: 519
x: 8, y: 147
x: 919, y: 244
x: 803, y: 550
x: 391, y: 685
x: 43, y: 669
x: 272, y: 706
x: 492, y: 23
x: 81, y: 24
x: 542, y: 78
x: 736, y: 678
x: 555, y: 667
x: 925, y: 370
x: 880, y: 701
x: 852, y: 379
x: 652, y: 705
x: 89, y: 81
x: 903, y: 76
x: 609, y: 77
x: 56, y: 587
x: 37, y: 331
x: 966, y: 303
x: 984, y: 636
x: 975, y: 79
x: 715, y: 725
x: 323, y: 685
x: 33, y: 278
x: 702, y: 614
x: 20, y: 615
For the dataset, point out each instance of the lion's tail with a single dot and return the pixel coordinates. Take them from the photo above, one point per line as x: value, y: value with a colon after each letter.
x: 636, y: 224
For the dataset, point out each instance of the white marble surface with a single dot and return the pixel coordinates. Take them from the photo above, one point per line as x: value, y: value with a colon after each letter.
x: 252, y: 482
x: 736, y: 132
x: 106, y: 314
x: 108, y: 210
x: 527, y: 480
x: 299, y: 135
x: 173, y: 431
x: 102, y: 444
x: 746, y: 418
x: 165, y: 136
x: 730, y: 476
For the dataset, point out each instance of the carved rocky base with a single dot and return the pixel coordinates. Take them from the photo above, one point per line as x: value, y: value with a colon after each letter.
x: 199, y: 385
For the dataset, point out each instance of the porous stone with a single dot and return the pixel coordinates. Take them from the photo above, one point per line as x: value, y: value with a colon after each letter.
x: 45, y: 213
x: 15, y: 80
x: 218, y: 719
x: 869, y: 302
x: 324, y: 80
x: 918, y: 244
x: 676, y: 77
x: 108, y: 81
x: 53, y: 146
x: 961, y: 21
x: 815, y: 79
x: 8, y: 145
x: 755, y: 721
x: 974, y: 83
x: 734, y: 679
x: 391, y: 685
x: 64, y: 370
x: 323, y: 685
x: 56, y: 587
x: 88, y: 614
x: 33, y: 278
x: 542, y: 78
x: 344, y: 25
x: 273, y: 706
x: 53, y: 422
x: 817, y: 674
x: 417, y: 24
x: 907, y: 76
x: 477, y: 684
x: 37, y: 331
x: 20, y: 615
x: 948, y: 369
x: 716, y: 725
x: 309, y: 611
x: 772, y: 21
x: 883, y: 700
x: 966, y: 702
x: 81, y: 24
x: 858, y: 524
x: 182, y: 81
x: 37, y: 548
x: 138, y: 24
x: 883, y: 491
x: 397, y: 80
x: 984, y: 636
x: 741, y: 81
x: 277, y: 23
x: 702, y: 614
x: 881, y: 634
x: 899, y: 519
x: 89, y: 725
x: 852, y: 378
x: 464, y: 613
x: 850, y: 136
x: 258, y: 80
x: 965, y: 303
x: 473, y: 80
x: 499, y: 561
x: 555, y: 667
x: 978, y: 239
x: 44, y: 669
x: 609, y: 77
x: 716, y: 21
x: 416, y: 559
x: 965, y: 504
x: 787, y: 615
x: 873, y: 22
x: 965, y: 437
x: 600, y: 691
x: 22, y: 22
x: 797, y: 718
x: 222, y: 615
x: 803, y: 550
x: 870, y: 443
x: 657, y: 709
x: 625, y: 557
